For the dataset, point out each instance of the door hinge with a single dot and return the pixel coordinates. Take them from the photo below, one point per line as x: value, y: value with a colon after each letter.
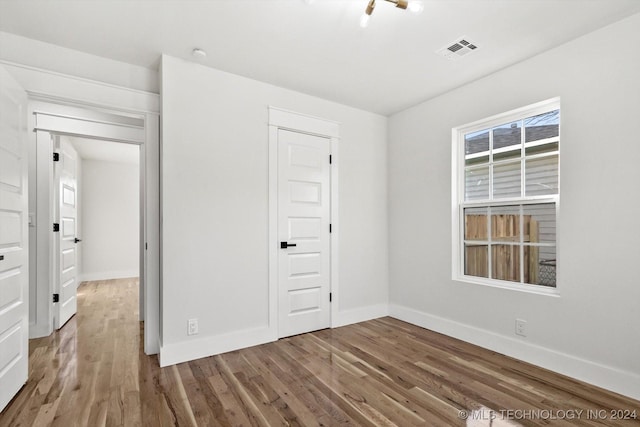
x: 330, y: 297
x: 56, y: 157
x: 329, y: 228
x: 146, y: 246
x: 330, y: 159
x: 56, y: 297
x: 56, y: 227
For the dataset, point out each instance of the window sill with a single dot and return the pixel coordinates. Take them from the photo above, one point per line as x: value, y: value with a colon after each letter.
x: 518, y: 287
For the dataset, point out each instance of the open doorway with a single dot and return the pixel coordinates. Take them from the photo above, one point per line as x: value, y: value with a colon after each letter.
x: 108, y: 213
x: 109, y: 157
x: 109, y: 219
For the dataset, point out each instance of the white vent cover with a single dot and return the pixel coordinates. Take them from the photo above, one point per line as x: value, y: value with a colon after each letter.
x: 457, y: 49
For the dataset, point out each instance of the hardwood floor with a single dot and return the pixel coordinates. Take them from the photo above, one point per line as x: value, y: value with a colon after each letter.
x: 378, y: 373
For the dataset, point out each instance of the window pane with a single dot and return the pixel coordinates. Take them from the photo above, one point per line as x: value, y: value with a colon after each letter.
x: 505, y: 262
x: 539, y: 222
x: 476, y: 183
x: 540, y: 265
x: 476, y: 148
x: 475, y: 224
x: 476, y: 260
x: 541, y: 176
x: 476, y: 142
x: 505, y: 224
x: 542, y: 126
x: 507, y: 141
x: 506, y: 180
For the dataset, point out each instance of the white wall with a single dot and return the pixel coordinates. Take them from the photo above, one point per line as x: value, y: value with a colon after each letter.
x: 591, y: 330
x: 110, y: 206
x: 215, y: 208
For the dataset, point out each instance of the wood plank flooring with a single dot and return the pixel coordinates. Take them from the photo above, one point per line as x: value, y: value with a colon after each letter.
x: 378, y: 373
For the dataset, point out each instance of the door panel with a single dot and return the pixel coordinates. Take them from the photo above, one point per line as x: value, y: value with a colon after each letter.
x: 66, y: 267
x: 303, y: 221
x: 14, y: 268
x: 10, y: 229
x: 304, y: 228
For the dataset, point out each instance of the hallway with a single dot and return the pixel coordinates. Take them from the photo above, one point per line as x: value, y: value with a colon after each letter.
x: 84, y: 373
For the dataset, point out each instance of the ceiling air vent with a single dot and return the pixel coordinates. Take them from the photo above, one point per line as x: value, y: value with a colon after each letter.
x: 457, y: 49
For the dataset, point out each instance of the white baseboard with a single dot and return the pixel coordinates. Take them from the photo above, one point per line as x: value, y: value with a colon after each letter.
x: 607, y: 377
x: 39, y: 331
x: 108, y: 275
x: 361, y: 314
x: 171, y: 354
x: 197, y: 348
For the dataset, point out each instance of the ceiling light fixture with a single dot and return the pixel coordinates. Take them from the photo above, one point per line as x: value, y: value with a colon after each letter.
x: 414, y: 6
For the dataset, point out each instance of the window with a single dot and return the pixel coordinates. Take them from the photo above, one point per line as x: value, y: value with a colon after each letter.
x: 506, y: 192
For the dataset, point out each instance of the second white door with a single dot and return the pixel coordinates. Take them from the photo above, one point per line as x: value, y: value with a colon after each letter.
x: 67, y: 254
x: 304, y: 261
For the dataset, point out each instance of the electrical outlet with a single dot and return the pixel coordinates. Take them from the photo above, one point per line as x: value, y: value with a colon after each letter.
x: 192, y: 327
x: 521, y: 327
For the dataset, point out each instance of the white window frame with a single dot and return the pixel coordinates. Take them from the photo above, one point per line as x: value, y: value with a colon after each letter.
x: 459, y: 204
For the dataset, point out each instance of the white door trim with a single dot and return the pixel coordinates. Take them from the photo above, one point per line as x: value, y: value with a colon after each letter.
x: 284, y: 119
x: 51, y: 86
x: 47, y: 124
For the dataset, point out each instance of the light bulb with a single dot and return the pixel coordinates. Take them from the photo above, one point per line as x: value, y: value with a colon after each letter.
x: 364, y: 20
x: 415, y: 6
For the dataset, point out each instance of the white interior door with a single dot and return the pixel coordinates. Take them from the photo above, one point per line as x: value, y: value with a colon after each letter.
x: 65, y: 265
x: 303, y: 233
x: 14, y: 238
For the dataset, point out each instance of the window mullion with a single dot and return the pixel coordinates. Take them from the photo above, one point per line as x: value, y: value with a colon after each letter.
x: 521, y: 213
x: 490, y: 164
x: 522, y: 159
x: 522, y: 194
x: 489, y: 234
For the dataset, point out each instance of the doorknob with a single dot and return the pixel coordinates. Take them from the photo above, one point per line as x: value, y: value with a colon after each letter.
x: 76, y: 240
x: 285, y: 245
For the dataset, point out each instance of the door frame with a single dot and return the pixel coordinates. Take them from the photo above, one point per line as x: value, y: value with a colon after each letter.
x: 303, y: 123
x: 49, y: 123
x: 50, y: 120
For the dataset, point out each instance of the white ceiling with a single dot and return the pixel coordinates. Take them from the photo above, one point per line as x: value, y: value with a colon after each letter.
x: 317, y: 47
x: 106, y: 151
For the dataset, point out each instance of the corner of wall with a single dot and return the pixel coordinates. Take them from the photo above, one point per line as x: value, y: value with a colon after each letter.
x: 360, y: 314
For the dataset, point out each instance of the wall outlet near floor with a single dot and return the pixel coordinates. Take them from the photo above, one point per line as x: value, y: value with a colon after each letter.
x: 192, y: 327
x: 521, y: 327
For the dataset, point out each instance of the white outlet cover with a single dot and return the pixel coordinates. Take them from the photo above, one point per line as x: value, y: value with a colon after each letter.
x: 192, y: 326
x: 521, y: 327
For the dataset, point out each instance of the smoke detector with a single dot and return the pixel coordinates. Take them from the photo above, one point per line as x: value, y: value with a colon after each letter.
x: 198, y: 53
x: 457, y: 49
